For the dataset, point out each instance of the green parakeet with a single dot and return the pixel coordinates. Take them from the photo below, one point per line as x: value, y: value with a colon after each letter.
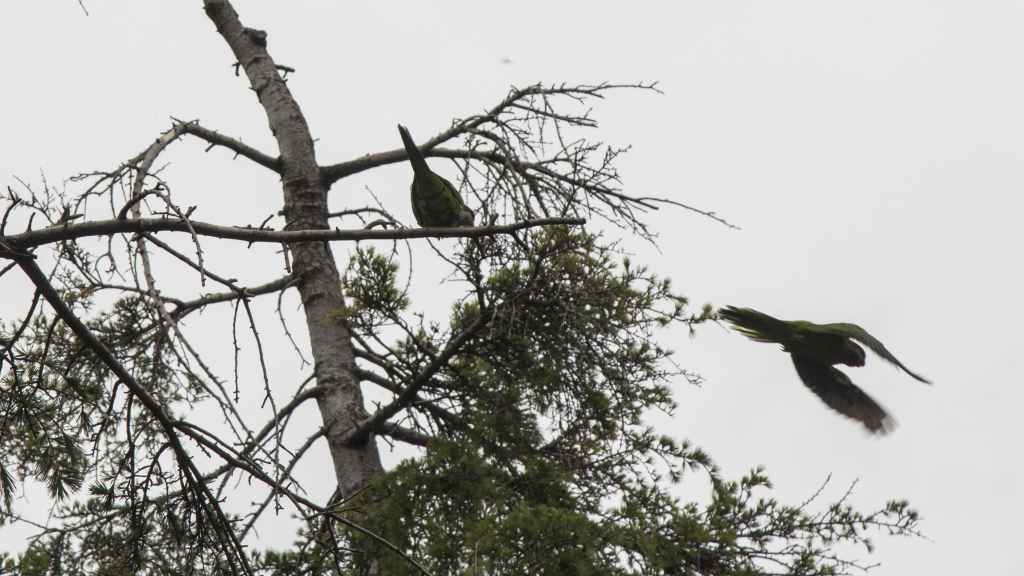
x: 815, y: 348
x: 435, y: 201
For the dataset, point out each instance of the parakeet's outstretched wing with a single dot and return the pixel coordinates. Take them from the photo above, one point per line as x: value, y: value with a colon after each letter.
x: 757, y: 325
x: 861, y: 335
x: 835, y: 389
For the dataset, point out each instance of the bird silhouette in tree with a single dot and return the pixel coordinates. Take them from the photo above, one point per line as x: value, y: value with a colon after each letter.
x: 435, y: 201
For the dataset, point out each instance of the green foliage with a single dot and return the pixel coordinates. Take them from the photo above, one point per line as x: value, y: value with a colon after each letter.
x: 371, y: 284
x: 33, y: 562
x: 58, y: 398
x: 45, y: 410
x: 6, y: 488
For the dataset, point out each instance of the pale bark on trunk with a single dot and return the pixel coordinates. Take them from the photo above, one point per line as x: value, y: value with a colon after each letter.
x: 305, y: 208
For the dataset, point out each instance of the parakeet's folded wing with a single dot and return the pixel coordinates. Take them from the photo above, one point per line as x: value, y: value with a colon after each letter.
x: 454, y: 203
x: 835, y: 389
x: 861, y: 335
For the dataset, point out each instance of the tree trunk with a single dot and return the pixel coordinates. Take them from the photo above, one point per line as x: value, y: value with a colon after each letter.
x: 305, y: 208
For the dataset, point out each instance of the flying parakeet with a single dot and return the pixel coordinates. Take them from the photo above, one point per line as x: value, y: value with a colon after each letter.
x: 815, y: 348
x: 435, y: 201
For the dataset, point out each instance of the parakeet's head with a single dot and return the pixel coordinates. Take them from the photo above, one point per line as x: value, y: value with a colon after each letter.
x: 466, y: 217
x: 853, y: 354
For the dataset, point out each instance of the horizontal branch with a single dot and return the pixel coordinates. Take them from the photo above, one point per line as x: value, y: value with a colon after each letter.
x: 106, y: 227
x: 403, y: 434
x: 331, y: 174
x: 215, y: 138
x: 184, y: 308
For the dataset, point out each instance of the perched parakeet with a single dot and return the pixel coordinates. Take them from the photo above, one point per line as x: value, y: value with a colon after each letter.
x: 815, y: 348
x: 435, y: 201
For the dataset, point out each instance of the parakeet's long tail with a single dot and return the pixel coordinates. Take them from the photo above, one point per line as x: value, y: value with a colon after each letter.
x: 757, y: 325
x: 419, y: 163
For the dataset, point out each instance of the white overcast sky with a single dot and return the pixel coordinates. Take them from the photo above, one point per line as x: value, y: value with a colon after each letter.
x: 872, y: 152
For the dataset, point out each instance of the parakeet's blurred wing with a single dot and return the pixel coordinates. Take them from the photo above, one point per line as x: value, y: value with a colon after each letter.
x: 861, y: 335
x: 835, y: 389
x: 756, y: 325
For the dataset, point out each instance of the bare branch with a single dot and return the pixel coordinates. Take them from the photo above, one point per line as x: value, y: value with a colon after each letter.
x: 364, y: 428
x: 525, y: 172
x: 105, y: 227
x: 406, y: 435
x: 212, y: 507
x: 237, y: 146
x: 185, y: 308
x: 224, y: 453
